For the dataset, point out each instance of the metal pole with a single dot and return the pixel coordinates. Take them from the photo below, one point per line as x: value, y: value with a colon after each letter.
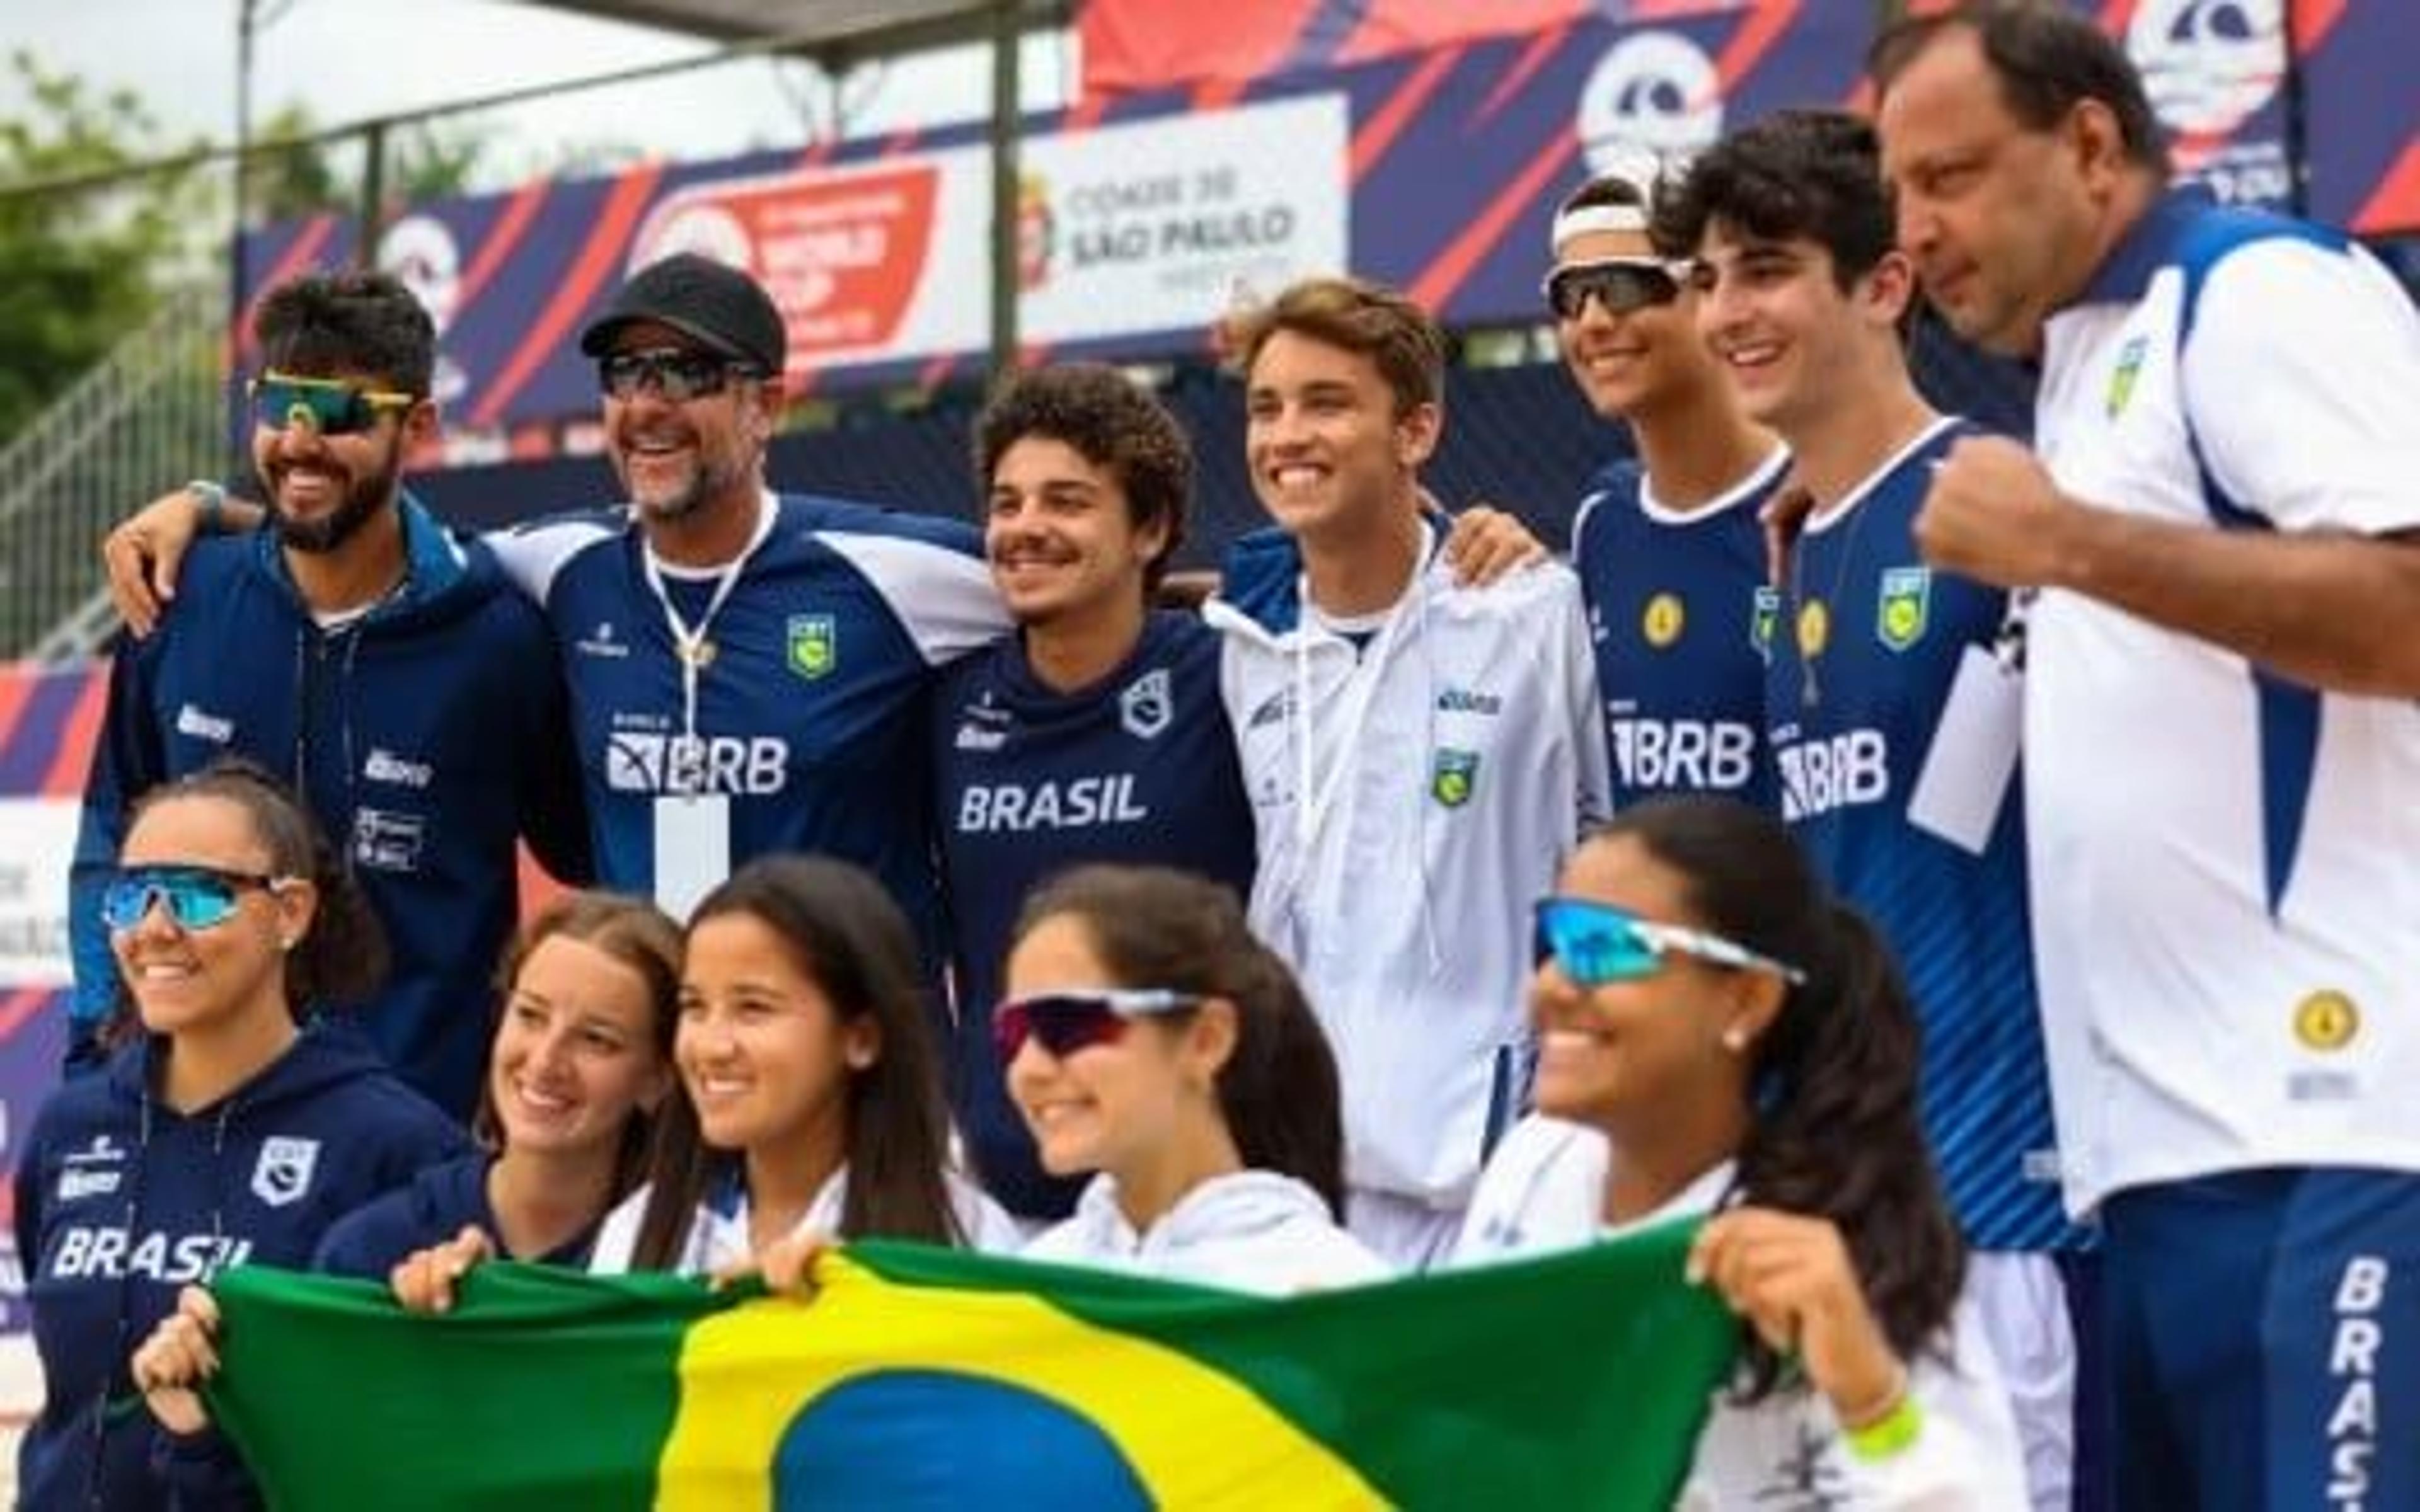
x: 1006, y: 48
x: 2298, y: 119
x: 373, y: 195
x: 239, y: 293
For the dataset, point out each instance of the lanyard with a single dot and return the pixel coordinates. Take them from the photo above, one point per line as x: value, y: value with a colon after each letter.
x: 690, y: 647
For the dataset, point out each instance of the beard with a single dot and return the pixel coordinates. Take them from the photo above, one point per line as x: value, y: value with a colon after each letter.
x: 706, y: 480
x: 364, y: 497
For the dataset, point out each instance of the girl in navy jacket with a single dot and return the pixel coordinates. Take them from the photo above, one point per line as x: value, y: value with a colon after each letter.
x: 582, y: 1060
x: 227, y: 1132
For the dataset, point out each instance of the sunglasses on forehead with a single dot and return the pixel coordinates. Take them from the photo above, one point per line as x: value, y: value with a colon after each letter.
x: 1078, y: 1018
x: 1595, y: 944
x: 331, y: 407
x: 196, y: 897
x: 1621, y: 285
x: 678, y: 374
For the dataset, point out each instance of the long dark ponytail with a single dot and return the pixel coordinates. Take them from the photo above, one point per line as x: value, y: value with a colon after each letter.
x: 1836, y: 1131
x: 1158, y: 927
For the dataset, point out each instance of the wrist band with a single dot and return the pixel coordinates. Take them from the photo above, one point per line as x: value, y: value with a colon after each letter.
x: 1890, y: 1435
x: 209, y: 504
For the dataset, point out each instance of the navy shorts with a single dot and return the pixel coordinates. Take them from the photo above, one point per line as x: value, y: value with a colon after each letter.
x: 2262, y: 1331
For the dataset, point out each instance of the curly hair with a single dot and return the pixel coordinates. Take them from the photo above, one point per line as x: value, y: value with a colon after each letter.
x: 1114, y: 425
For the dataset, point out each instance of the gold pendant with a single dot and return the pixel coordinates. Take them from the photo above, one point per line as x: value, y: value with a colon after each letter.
x: 698, y: 654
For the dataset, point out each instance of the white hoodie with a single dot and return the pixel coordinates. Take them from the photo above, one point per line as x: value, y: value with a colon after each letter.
x: 1544, y: 1190
x: 1410, y: 797
x: 717, y: 1235
x: 1248, y: 1231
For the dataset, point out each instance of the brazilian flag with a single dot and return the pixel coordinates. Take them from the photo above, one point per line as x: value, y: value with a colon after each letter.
x: 927, y: 1378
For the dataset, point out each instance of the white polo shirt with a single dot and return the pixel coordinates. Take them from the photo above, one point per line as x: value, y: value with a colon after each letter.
x: 2225, y: 864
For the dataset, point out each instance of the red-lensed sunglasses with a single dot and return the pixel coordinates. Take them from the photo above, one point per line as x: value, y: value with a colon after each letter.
x: 1078, y: 1018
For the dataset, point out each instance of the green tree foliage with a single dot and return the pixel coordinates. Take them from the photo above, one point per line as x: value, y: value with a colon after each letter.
x: 425, y: 161
x: 78, y: 267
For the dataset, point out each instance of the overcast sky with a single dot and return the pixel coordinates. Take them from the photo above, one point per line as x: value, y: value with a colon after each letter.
x: 345, y: 59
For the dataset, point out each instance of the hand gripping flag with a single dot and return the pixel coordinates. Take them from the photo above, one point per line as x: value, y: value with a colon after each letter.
x: 927, y: 1377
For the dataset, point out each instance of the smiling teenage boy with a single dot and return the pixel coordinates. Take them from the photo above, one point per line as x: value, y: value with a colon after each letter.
x: 1418, y: 754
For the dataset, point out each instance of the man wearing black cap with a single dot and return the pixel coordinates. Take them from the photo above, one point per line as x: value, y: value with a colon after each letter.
x: 746, y: 668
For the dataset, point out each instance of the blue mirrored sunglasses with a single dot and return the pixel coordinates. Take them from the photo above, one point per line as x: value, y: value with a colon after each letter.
x: 196, y: 896
x: 331, y: 407
x: 1595, y: 944
x: 1076, y: 1018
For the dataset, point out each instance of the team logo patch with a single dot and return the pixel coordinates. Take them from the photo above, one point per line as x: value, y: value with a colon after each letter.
x: 2121, y: 378
x: 284, y: 1173
x: 814, y: 645
x: 2326, y: 1021
x: 1905, y: 607
x: 1453, y: 775
x: 1764, y: 620
x: 1146, y: 705
x: 1663, y: 620
x: 1814, y: 627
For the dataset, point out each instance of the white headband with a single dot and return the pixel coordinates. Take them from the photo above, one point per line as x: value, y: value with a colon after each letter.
x: 1588, y: 218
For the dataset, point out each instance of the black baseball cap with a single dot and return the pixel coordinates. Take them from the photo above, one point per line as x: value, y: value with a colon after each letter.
x: 712, y: 303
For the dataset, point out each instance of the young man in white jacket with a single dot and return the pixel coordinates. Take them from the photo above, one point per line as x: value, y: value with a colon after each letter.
x: 1418, y: 754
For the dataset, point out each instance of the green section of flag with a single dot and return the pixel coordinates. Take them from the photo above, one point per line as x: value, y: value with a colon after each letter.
x: 1578, y: 1381
x: 542, y: 1389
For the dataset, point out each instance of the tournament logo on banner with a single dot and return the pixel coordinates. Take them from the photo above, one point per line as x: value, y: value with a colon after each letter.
x: 2214, y: 70
x: 842, y: 253
x: 421, y: 251
x: 1653, y: 101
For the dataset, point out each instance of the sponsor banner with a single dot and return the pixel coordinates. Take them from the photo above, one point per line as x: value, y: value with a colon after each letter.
x: 1148, y: 44
x: 1143, y: 212
x: 1126, y: 231
x: 2361, y: 116
x: 48, y: 717
x: 2216, y: 72
x: 37, y: 843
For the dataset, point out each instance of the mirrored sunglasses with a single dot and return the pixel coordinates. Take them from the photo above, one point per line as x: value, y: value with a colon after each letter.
x: 196, y: 897
x: 678, y: 374
x: 1076, y: 1019
x: 1595, y: 944
x: 1621, y: 285
x: 331, y: 407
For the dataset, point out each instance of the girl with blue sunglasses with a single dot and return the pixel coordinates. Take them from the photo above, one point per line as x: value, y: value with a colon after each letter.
x: 1720, y: 1039
x: 228, y: 1126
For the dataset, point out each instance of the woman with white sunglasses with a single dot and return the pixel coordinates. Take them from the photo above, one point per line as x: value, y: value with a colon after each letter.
x: 1150, y: 1040
x: 229, y: 1128
x: 1718, y: 1036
